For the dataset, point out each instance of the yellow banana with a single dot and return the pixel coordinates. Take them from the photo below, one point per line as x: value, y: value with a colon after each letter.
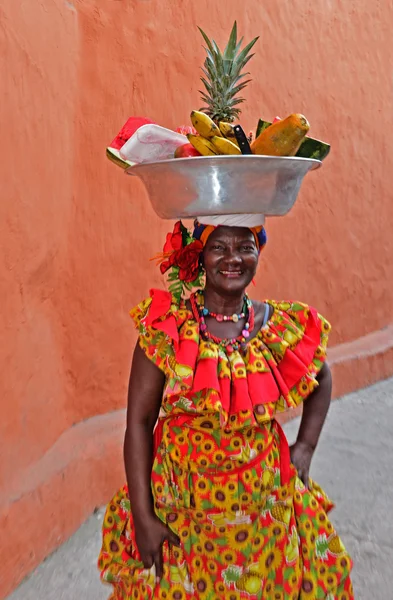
x: 204, y: 146
x: 218, y: 519
x: 204, y: 125
x: 227, y: 131
x: 224, y: 146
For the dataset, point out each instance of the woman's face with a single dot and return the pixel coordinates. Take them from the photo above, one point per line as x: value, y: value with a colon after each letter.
x: 230, y: 258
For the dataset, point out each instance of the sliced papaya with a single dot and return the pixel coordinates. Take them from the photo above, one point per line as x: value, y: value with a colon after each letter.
x: 283, y: 137
x: 309, y: 148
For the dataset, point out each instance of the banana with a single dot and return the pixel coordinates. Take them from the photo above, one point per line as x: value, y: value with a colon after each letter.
x: 227, y: 131
x: 204, y: 125
x: 204, y: 146
x: 225, y: 146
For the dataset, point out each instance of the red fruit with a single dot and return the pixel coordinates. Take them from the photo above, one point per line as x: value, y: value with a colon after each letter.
x: 128, y: 129
x: 185, y: 151
x: 185, y: 129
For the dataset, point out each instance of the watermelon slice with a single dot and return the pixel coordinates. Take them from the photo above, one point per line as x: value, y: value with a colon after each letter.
x: 115, y: 157
x: 128, y: 129
x: 185, y: 129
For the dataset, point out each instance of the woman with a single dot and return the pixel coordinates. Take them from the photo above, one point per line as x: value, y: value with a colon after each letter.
x: 228, y: 509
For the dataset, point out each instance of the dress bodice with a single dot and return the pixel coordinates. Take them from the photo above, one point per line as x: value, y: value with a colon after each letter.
x: 277, y: 371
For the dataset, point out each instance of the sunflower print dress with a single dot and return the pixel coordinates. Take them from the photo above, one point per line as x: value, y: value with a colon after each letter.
x: 222, y: 479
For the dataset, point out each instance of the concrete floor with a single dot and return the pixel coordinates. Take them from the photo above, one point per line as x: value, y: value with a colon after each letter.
x: 353, y: 464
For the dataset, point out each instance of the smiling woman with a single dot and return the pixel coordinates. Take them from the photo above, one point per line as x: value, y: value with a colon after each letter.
x: 217, y: 505
x: 230, y: 258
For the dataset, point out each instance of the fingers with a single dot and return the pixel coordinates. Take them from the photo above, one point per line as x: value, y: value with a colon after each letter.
x: 291, y: 451
x: 147, y: 561
x: 303, y: 475
x: 173, y: 538
x: 158, y: 565
x: 153, y: 555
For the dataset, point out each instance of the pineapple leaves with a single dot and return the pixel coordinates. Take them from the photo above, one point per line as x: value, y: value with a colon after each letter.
x: 230, y: 49
x: 207, y: 86
x: 243, y: 54
x: 208, y: 42
x: 239, y: 45
x: 222, y: 72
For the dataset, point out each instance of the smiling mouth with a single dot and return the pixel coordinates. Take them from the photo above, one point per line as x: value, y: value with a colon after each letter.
x: 231, y: 273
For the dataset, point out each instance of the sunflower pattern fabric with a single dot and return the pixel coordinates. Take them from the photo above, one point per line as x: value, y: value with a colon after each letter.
x: 222, y: 479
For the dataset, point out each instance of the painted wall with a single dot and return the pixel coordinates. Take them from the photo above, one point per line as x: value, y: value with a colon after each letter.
x: 76, y: 233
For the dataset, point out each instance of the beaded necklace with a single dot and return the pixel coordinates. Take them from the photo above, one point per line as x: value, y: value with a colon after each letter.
x: 227, y: 344
x: 220, y: 317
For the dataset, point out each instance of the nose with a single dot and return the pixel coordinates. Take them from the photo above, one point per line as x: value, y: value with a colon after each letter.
x: 233, y: 257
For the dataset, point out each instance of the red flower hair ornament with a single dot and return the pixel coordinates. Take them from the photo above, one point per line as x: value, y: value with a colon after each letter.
x: 181, y: 254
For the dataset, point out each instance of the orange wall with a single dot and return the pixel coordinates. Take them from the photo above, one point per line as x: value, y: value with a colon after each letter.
x: 76, y: 233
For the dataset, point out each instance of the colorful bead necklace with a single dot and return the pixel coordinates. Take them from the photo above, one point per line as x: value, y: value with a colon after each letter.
x: 220, y: 318
x: 228, y: 344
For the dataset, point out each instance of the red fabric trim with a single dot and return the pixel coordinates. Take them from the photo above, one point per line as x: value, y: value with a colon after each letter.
x: 262, y: 388
x: 285, y: 455
x: 295, y: 363
x: 160, y: 305
x: 157, y: 436
x: 187, y: 353
x: 240, y: 396
x: 205, y: 375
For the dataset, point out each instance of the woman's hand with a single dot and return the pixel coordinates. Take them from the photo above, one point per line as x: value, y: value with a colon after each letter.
x: 315, y: 409
x: 150, y: 534
x: 301, y: 455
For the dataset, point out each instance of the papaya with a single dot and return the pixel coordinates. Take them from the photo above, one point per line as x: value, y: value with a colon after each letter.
x: 282, y: 138
x: 309, y: 148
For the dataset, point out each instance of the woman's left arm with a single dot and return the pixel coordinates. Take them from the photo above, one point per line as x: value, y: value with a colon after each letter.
x: 315, y: 409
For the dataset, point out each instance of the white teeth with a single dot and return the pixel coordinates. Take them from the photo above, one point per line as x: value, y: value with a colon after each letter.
x: 231, y: 272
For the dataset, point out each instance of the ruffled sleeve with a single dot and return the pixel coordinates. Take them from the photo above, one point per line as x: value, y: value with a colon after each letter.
x: 294, y: 346
x: 157, y: 319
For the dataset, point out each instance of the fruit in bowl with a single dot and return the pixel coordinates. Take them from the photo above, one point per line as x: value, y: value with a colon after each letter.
x: 186, y: 151
x: 213, y: 131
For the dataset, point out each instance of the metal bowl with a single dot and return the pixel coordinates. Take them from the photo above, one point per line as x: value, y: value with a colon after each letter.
x: 217, y: 185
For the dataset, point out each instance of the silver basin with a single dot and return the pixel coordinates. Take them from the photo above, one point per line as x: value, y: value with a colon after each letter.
x: 215, y: 185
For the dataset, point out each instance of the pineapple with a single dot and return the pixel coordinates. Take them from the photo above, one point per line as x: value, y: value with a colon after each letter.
x: 280, y: 512
x: 268, y: 479
x: 177, y: 368
x: 332, y: 544
x: 223, y: 77
x: 232, y: 574
x: 335, y: 546
x: 250, y: 582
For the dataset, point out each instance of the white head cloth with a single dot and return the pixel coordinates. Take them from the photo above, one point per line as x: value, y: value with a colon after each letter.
x: 233, y: 220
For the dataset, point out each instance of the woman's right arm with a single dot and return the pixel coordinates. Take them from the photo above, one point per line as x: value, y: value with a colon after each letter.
x: 144, y: 401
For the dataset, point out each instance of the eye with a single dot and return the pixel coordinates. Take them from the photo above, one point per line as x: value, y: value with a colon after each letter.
x: 217, y: 247
x: 248, y: 248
